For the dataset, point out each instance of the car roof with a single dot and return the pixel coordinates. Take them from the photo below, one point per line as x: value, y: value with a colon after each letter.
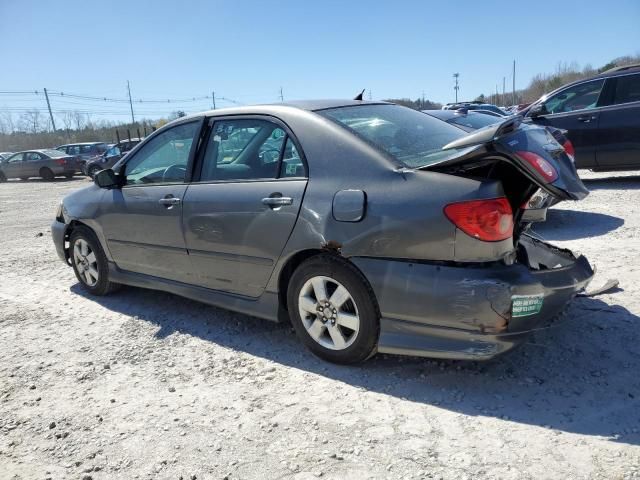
x: 612, y: 72
x: 79, y: 143
x: 307, y: 105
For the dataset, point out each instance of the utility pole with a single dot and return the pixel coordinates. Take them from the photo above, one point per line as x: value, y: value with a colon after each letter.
x: 504, y: 95
x: 514, y: 82
x: 497, y: 96
x: 53, y: 124
x: 456, y: 87
x: 281, y: 96
x: 213, y: 97
x: 133, y: 120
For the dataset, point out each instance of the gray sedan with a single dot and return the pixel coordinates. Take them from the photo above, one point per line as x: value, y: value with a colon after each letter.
x: 370, y: 226
x: 46, y: 163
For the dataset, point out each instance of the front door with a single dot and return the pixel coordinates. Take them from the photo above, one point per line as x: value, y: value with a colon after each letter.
x: 575, y: 109
x: 33, y: 162
x: 239, y: 214
x: 14, y: 166
x: 142, y: 221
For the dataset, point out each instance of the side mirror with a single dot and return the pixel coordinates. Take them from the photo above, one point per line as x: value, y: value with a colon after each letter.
x: 106, y: 179
x: 538, y: 110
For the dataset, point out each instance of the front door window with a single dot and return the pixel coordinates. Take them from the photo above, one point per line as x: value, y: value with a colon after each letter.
x: 579, y: 97
x: 163, y: 159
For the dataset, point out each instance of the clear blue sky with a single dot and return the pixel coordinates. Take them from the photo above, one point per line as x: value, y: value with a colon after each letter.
x: 247, y: 49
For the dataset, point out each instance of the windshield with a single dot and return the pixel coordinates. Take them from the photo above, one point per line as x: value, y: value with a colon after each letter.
x: 475, y: 120
x: 411, y: 137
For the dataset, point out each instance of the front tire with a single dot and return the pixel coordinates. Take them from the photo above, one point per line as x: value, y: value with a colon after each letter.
x: 89, y: 262
x: 333, y: 310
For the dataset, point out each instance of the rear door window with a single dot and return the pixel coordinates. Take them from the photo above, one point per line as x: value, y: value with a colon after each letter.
x: 627, y: 89
x: 242, y: 149
x: 292, y: 165
x: 33, y: 157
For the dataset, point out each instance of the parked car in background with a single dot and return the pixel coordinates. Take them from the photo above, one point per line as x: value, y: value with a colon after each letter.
x: 475, y: 106
x: 45, y: 163
x: 110, y: 157
x: 601, y: 115
x: 83, y: 151
x: 371, y: 226
x: 465, y: 119
x: 4, y: 155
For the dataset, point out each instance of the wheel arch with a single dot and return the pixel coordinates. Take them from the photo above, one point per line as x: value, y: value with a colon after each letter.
x: 298, y: 258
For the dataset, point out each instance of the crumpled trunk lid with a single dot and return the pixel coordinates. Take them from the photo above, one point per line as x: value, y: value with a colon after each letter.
x: 510, y: 140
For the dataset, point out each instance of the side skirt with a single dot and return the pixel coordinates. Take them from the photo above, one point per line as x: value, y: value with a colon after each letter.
x: 266, y: 306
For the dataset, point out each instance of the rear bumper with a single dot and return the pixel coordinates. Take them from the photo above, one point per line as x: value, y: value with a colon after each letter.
x: 467, y: 312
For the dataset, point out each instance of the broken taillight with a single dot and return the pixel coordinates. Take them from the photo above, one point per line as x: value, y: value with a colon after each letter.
x: 544, y: 168
x: 488, y: 220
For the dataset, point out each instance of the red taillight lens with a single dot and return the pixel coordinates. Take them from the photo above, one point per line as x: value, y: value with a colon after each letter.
x: 61, y: 161
x: 541, y: 166
x: 568, y: 147
x: 487, y: 220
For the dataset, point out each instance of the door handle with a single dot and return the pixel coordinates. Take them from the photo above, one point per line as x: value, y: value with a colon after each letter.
x: 275, y: 202
x: 586, y: 118
x: 169, y: 201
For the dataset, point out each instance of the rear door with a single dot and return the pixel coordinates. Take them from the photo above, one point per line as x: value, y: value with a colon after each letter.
x: 619, y: 128
x: 239, y: 213
x: 33, y: 162
x: 576, y: 109
x: 142, y: 221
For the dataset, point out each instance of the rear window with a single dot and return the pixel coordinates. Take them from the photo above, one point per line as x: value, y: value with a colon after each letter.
x: 411, y: 137
x: 54, y: 153
x: 475, y: 120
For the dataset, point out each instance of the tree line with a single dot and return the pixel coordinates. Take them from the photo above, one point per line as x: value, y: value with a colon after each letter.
x: 547, y: 82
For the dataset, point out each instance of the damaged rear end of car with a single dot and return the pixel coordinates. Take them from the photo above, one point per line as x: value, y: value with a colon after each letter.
x: 497, y: 283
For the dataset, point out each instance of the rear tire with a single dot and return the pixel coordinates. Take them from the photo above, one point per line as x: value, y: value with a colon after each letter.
x: 46, y: 174
x: 69, y: 175
x: 2, y: 177
x: 89, y: 262
x: 24, y: 179
x: 334, y: 310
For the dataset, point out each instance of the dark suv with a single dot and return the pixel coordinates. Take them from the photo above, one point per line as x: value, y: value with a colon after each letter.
x: 110, y: 157
x: 602, y: 116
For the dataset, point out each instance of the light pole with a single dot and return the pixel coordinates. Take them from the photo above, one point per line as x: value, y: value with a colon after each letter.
x: 456, y: 87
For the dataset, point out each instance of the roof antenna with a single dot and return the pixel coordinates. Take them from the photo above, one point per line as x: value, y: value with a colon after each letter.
x: 359, y: 96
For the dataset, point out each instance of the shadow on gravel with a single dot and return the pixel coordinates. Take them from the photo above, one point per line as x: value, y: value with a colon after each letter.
x: 572, y: 224
x: 578, y: 376
x: 613, y: 183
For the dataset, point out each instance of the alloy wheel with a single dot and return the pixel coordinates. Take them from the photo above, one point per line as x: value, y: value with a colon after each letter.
x: 85, y: 261
x: 328, y: 312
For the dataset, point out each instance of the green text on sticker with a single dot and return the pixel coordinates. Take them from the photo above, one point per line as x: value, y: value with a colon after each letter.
x: 523, y: 305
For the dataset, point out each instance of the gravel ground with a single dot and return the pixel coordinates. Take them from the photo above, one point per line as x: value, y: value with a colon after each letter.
x: 148, y: 385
